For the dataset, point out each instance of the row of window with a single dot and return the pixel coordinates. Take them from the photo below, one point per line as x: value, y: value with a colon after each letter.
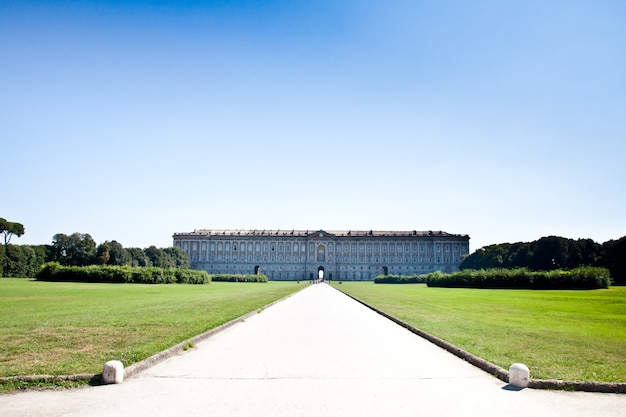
x: 329, y: 259
x: 345, y: 248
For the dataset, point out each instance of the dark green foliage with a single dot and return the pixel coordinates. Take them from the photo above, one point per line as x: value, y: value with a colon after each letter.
x: 77, y: 249
x: 138, y: 257
x: 400, y: 279
x: 551, y: 253
x: 614, y: 258
x: 179, y: 256
x: 10, y: 229
x: 53, y: 271
x: 545, y: 254
x: 239, y: 278
x: 521, y: 278
x: 20, y: 261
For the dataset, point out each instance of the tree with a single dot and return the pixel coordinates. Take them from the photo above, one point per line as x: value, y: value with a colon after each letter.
x: 8, y: 229
x: 180, y: 257
x: 138, y: 257
x: 159, y: 258
x: 21, y: 261
x: 78, y: 249
x: 103, y: 253
x: 119, y: 255
x: 614, y: 259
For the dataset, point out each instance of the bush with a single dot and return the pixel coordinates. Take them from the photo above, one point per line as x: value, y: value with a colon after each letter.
x: 578, y: 278
x: 238, y: 278
x: 53, y: 271
x: 400, y: 279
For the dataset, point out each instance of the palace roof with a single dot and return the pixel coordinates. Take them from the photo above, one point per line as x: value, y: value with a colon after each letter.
x: 306, y: 233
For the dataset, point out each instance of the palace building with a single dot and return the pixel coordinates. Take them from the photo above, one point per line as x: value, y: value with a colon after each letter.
x: 333, y: 255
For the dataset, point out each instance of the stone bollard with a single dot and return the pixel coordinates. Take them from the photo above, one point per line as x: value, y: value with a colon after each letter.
x: 519, y: 375
x: 113, y: 372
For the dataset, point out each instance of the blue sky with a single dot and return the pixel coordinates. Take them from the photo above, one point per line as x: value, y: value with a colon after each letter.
x: 131, y: 121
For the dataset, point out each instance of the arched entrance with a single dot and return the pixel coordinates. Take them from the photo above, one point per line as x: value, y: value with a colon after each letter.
x: 320, y: 273
x: 384, y: 271
x: 257, y: 270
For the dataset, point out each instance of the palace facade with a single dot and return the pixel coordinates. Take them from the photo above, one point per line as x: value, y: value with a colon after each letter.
x: 334, y: 255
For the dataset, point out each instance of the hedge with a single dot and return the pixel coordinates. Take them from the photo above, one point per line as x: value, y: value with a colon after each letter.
x: 52, y: 271
x: 239, y: 278
x: 400, y: 279
x: 578, y: 278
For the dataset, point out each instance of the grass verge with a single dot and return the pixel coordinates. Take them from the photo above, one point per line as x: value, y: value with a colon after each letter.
x: 72, y: 328
x: 567, y: 335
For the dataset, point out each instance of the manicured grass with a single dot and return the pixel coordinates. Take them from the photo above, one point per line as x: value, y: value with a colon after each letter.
x: 568, y: 335
x: 71, y: 328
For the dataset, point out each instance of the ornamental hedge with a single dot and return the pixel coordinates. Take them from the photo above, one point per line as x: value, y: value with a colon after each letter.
x: 239, y: 278
x: 400, y: 279
x: 521, y: 278
x: 53, y: 271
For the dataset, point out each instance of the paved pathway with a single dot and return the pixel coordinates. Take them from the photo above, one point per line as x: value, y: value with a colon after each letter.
x: 317, y: 353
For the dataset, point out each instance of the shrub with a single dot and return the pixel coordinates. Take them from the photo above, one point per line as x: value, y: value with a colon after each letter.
x: 52, y: 271
x: 400, y: 279
x: 579, y: 278
x: 239, y: 278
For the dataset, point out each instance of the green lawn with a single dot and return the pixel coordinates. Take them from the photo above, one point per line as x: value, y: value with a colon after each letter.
x: 568, y: 335
x: 70, y: 328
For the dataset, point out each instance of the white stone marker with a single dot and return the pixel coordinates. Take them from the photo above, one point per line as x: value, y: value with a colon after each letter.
x: 519, y: 375
x: 113, y: 372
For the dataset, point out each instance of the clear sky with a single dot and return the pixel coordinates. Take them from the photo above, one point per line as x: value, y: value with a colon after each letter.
x: 131, y: 121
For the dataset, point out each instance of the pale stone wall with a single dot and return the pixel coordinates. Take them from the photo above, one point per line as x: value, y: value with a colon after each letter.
x: 343, y: 255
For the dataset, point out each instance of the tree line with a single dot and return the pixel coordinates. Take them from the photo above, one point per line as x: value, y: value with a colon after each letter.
x: 80, y: 249
x: 551, y: 253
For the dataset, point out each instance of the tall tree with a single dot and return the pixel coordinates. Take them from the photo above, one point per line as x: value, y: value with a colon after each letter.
x: 103, y: 253
x: 138, y: 257
x: 180, y: 257
x: 614, y: 259
x: 8, y: 229
x: 78, y: 249
x: 119, y: 255
x: 21, y: 261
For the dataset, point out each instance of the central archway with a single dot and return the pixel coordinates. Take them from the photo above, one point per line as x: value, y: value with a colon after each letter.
x: 320, y: 273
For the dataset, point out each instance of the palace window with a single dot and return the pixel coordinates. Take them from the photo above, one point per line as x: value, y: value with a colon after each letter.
x: 321, y: 253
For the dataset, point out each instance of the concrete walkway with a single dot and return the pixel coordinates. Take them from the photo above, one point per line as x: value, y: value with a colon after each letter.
x: 317, y: 353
